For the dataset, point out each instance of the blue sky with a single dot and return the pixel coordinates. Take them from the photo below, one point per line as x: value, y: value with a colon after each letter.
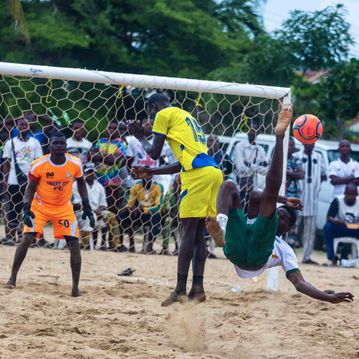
x: 275, y: 11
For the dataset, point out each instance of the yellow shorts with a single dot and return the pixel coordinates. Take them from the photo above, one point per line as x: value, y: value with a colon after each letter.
x: 199, y: 189
x: 63, y: 220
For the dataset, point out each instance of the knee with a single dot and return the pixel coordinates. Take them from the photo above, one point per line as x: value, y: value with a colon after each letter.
x: 328, y: 227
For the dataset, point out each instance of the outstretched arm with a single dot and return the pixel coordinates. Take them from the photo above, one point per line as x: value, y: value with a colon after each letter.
x: 142, y: 172
x: 301, y: 285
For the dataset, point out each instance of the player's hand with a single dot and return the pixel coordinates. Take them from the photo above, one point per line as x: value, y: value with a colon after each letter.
x: 341, y: 297
x: 294, y: 203
x: 140, y: 172
x: 135, y: 128
x: 28, y: 215
x: 87, y: 212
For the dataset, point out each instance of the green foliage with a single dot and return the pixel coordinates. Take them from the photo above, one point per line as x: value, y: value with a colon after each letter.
x: 316, y: 40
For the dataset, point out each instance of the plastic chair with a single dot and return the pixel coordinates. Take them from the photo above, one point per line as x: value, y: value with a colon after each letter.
x: 353, y: 241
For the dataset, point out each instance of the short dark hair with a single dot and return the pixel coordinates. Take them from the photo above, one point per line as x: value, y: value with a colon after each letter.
x: 157, y: 98
x: 292, y: 212
x: 57, y: 134
x: 77, y: 120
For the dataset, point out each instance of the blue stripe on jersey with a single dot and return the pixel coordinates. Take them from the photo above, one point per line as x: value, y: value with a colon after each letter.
x: 183, y: 194
x: 203, y: 160
x: 159, y: 134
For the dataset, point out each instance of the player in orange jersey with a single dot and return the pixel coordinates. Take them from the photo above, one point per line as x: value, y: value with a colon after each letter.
x: 48, y: 199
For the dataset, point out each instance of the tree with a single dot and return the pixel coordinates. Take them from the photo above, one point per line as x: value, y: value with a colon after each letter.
x: 316, y: 40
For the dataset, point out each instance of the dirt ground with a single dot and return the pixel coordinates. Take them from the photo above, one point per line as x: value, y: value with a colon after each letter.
x: 121, y: 317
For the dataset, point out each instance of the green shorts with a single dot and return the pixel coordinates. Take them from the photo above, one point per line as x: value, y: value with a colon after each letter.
x: 249, y: 245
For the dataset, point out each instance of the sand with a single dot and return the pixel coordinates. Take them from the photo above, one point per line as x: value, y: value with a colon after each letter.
x: 121, y: 317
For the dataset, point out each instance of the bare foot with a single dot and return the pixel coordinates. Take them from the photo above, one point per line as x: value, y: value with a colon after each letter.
x: 173, y: 298
x: 75, y: 293
x: 197, y: 297
x: 10, y: 284
x: 215, y: 231
x: 284, y: 118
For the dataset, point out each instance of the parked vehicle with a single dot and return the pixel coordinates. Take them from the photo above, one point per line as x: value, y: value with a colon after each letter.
x: 327, y: 149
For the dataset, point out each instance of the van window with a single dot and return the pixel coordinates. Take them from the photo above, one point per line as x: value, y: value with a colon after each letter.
x: 333, y: 155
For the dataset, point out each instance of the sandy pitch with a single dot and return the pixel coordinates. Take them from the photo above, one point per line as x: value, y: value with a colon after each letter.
x: 119, y: 317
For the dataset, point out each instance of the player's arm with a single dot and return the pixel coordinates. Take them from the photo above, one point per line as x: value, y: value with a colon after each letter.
x: 30, y: 191
x: 302, y: 286
x: 142, y: 172
x: 86, y: 208
x: 154, y: 150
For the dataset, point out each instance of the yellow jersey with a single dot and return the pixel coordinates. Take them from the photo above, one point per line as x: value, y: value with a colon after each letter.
x: 185, y: 137
x: 54, y: 182
x: 150, y: 199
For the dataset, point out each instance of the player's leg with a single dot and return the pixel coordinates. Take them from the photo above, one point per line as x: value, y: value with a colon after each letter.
x: 75, y: 261
x: 275, y: 172
x: 189, y: 230
x: 228, y: 198
x: 20, y: 255
x: 198, y: 263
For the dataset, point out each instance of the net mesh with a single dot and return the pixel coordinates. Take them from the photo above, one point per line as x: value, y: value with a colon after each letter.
x: 51, y: 104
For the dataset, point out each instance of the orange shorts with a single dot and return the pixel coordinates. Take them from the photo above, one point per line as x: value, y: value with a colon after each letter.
x: 63, y: 220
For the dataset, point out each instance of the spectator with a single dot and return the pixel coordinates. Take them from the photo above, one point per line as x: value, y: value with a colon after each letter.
x: 314, y: 174
x: 97, y: 198
x: 109, y: 155
x: 249, y: 160
x: 18, y: 153
x: 170, y: 216
x: 78, y: 140
x: 146, y: 197
x: 295, y: 172
x: 220, y: 158
x: 137, y: 156
x: 344, y: 170
x: 343, y: 213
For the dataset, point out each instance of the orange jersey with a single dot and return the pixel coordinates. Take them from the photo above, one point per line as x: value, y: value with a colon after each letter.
x: 54, y: 182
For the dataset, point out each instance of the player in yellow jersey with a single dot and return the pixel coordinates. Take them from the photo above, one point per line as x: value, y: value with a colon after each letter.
x: 200, y: 179
x: 48, y: 199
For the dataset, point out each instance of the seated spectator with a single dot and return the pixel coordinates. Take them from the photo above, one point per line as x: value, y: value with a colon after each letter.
x: 222, y: 160
x: 170, y: 216
x: 78, y: 140
x: 343, y: 213
x: 97, y: 198
x: 143, y: 209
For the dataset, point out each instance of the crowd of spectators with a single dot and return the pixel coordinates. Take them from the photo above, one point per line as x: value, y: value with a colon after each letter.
x: 149, y: 207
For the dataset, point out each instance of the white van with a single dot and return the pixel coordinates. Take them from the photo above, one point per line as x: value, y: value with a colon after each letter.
x: 327, y: 149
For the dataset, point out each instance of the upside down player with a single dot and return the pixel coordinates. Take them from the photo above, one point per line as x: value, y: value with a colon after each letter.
x: 48, y: 199
x: 254, y: 245
x: 200, y: 178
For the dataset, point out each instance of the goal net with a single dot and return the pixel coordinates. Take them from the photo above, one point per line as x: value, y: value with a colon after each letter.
x: 91, y: 108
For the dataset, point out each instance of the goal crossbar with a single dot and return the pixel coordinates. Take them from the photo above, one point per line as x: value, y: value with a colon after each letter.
x: 143, y: 81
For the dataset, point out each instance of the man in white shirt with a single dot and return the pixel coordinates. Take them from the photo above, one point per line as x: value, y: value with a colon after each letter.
x: 344, y: 170
x: 78, y: 140
x: 98, y: 204
x: 314, y: 174
x: 18, y: 154
x: 137, y: 156
x: 342, y: 221
x: 249, y: 160
x: 254, y: 244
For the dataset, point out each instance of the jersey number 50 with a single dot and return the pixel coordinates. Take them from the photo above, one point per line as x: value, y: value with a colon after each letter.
x: 198, y: 133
